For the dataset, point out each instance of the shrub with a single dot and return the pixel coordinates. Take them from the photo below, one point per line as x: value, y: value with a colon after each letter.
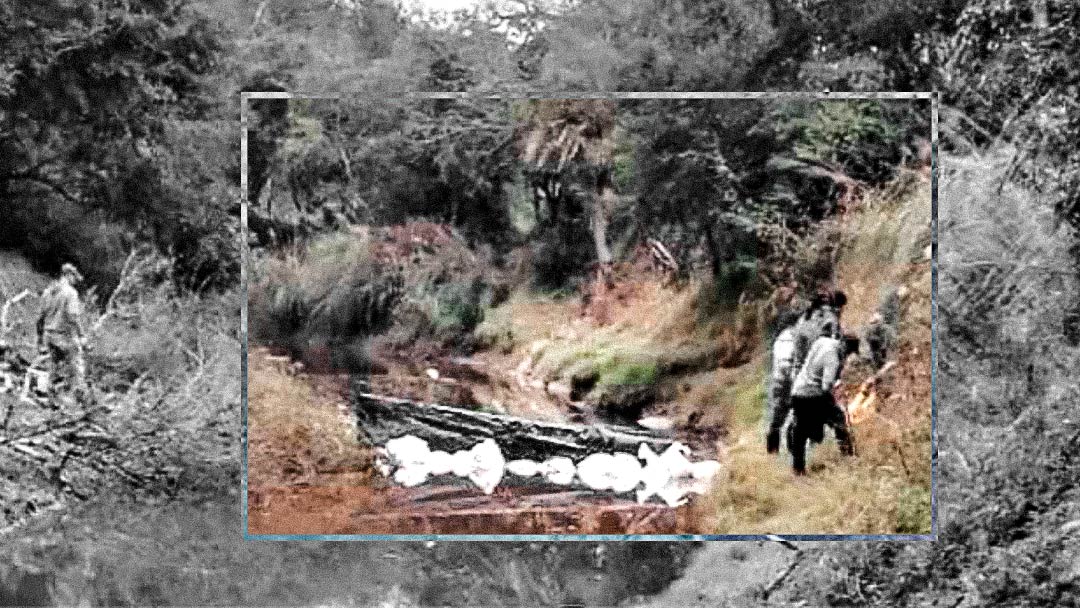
x: 334, y: 292
x: 557, y: 256
x: 459, y: 306
x: 856, y: 136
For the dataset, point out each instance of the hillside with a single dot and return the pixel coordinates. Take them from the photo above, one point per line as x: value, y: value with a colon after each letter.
x: 1006, y: 485
x: 645, y: 347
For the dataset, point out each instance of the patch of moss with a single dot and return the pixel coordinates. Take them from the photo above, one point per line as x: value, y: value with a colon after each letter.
x: 619, y: 373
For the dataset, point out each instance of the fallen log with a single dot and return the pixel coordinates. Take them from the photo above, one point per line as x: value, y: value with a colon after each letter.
x: 447, y: 428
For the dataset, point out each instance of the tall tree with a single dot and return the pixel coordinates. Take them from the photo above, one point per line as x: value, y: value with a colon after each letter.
x: 566, y: 139
x: 88, y: 92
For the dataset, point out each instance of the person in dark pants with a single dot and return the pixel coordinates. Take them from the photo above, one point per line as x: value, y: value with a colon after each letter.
x: 780, y: 379
x: 825, y: 307
x: 812, y: 401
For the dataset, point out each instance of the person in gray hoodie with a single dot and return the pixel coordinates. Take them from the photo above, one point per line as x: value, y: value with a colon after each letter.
x: 812, y: 400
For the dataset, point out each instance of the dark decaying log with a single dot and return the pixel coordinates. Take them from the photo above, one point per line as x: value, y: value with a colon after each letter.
x: 449, y: 428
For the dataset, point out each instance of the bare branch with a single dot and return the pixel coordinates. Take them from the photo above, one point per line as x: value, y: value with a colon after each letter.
x: 48, y: 183
x: 780, y: 578
x: 126, y: 277
x: 7, y: 306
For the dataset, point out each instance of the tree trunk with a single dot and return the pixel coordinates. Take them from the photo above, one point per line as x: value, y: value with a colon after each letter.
x: 716, y: 257
x: 449, y: 428
x: 265, y: 193
x: 601, y: 216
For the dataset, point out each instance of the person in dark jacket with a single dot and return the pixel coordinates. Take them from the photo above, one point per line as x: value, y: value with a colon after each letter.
x: 812, y: 401
x: 825, y: 307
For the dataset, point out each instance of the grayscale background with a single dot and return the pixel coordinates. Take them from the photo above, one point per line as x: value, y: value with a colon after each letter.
x: 120, y: 151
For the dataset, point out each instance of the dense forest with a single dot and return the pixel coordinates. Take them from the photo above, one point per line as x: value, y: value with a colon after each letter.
x: 120, y: 151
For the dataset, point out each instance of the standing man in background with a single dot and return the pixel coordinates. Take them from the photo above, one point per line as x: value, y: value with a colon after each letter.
x: 60, y: 335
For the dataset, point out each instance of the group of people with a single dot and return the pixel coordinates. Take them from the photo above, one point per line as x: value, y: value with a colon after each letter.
x: 808, y: 358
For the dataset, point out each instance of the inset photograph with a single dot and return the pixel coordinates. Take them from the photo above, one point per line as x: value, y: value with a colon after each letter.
x: 635, y: 317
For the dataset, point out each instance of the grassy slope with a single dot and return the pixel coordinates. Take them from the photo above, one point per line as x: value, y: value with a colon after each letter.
x: 296, y: 432
x: 886, y: 488
x: 653, y: 330
x: 654, y: 335
x: 1008, y: 510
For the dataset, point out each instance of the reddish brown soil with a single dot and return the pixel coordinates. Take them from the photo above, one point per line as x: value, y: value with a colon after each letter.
x: 351, y: 500
x: 442, y: 510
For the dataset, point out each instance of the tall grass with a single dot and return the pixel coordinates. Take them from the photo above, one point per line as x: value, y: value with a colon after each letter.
x: 882, y: 244
x: 295, y: 433
x: 873, y: 252
x: 333, y: 288
x: 1006, y: 479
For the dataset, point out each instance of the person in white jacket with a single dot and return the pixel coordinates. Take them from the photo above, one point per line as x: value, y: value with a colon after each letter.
x: 812, y: 400
x: 780, y: 379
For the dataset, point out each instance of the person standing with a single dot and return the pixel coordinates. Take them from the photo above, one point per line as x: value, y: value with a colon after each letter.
x: 825, y: 307
x: 780, y: 379
x: 60, y: 335
x: 812, y: 400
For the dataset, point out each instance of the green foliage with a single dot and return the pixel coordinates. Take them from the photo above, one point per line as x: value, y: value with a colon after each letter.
x: 334, y: 293
x: 859, y: 46
x: 115, y: 111
x: 623, y: 162
x: 658, y: 45
x: 854, y: 136
x: 566, y: 147
x: 1022, y: 60
x: 446, y: 161
x: 559, y: 257
x: 615, y: 372
x: 459, y: 307
x: 1005, y: 290
x: 316, y: 46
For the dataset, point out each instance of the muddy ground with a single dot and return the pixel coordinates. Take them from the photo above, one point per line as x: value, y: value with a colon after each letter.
x: 350, y: 499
